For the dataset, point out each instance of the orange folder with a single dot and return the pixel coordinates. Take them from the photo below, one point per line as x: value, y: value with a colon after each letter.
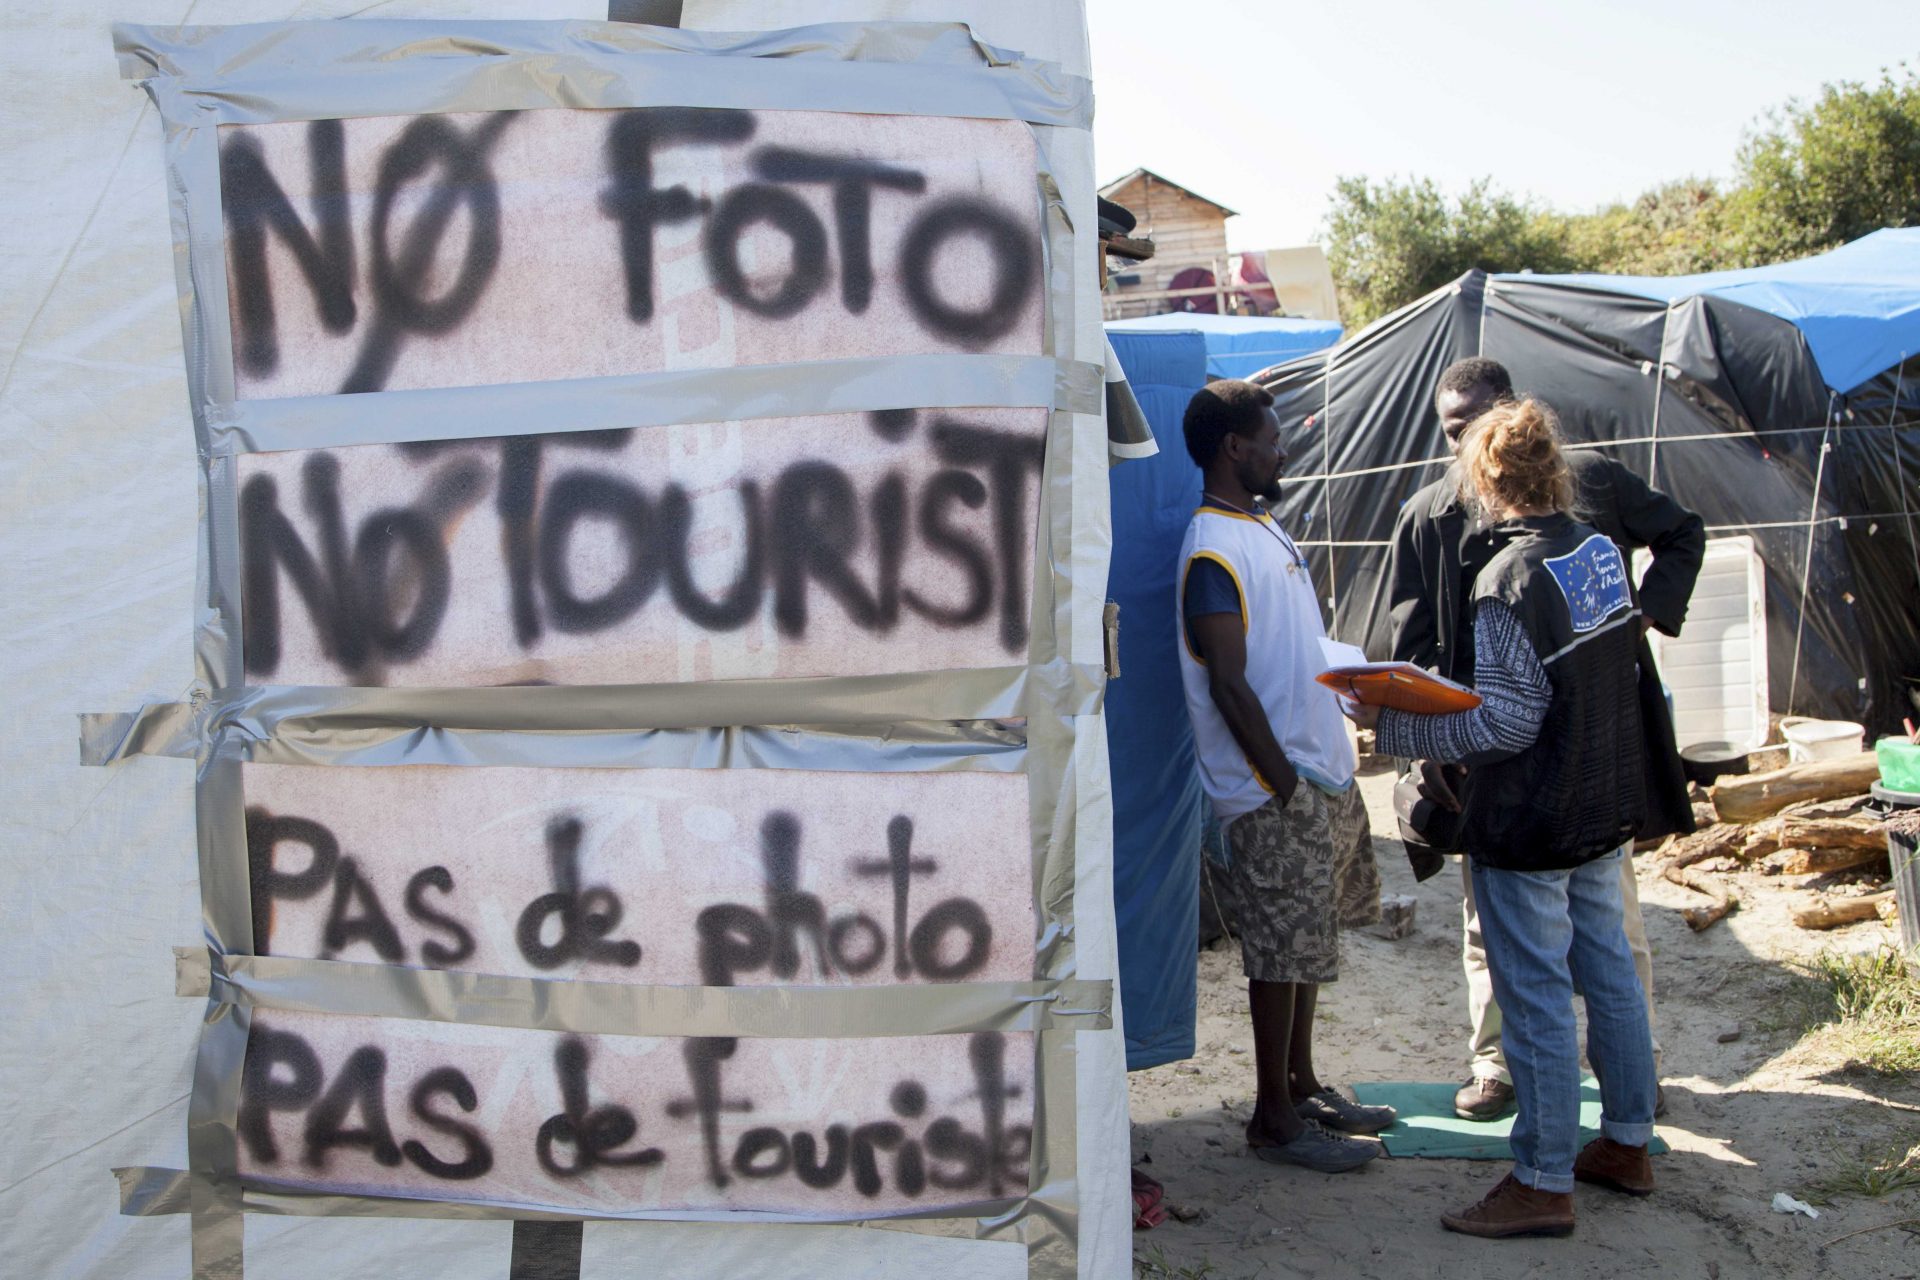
x: 1400, y: 685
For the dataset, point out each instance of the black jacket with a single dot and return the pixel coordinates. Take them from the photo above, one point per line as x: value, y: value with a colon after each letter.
x: 1578, y: 791
x: 1433, y: 617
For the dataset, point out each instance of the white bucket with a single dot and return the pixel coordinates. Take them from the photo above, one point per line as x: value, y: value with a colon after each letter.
x: 1809, y: 739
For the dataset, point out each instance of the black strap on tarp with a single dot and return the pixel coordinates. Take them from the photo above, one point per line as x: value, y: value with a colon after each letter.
x: 546, y: 1251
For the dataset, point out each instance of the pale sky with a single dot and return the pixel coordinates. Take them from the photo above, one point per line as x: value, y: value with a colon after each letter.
x: 1261, y: 104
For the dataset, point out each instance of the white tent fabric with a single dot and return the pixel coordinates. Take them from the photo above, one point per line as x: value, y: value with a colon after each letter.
x: 99, y: 870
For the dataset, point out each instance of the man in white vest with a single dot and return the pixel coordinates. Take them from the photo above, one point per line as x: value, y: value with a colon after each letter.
x: 1276, y: 764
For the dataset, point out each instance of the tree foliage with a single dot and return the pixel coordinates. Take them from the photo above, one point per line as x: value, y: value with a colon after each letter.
x: 1390, y: 242
x: 1831, y: 171
x: 1813, y: 177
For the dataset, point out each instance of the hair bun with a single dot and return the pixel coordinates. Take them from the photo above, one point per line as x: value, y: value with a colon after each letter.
x: 1512, y: 459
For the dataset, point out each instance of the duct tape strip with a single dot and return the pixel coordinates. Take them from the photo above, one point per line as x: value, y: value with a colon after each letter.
x: 212, y: 1145
x: 153, y: 1191
x: 1050, y: 1216
x: 317, y: 719
x: 988, y: 746
x: 653, y: 400
x: 304, y: 71
x: 613, y: 1008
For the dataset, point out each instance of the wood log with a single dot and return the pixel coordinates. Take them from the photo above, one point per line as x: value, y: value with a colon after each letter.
x: 1132, y: 248
x: 1719, y: 841
x: 1702, y: 917
x: 1845, y: 807
x: 1810, y: 862
x: 1831, y: 913
x: 1760, y: 795
x: 1790, y: 831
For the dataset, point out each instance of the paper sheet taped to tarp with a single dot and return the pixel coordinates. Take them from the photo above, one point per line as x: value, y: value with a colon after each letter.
x: 522, y: 246
x: 822, y: 1128
x: 817, y: 546
x: 664, y: 876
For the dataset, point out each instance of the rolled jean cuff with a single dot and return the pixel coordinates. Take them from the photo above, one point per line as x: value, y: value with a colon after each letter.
x: 1627, y: 1135
x: 1553, y: 1183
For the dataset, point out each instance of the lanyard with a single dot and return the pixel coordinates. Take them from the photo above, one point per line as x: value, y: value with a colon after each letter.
x: 1299, y: 564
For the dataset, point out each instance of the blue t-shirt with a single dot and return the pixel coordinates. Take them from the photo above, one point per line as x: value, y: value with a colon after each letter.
x: 1210, y: 589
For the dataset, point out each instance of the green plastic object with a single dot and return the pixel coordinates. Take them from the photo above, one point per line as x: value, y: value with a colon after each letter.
x: 1428, y: 1127
x: 1899, y: 764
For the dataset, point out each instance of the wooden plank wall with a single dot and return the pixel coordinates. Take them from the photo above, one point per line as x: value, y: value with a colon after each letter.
x: 1186, y: 231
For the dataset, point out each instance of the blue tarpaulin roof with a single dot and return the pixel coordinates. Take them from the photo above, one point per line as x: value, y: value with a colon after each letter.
x: 1858, y: 306
x: 1239, y: 346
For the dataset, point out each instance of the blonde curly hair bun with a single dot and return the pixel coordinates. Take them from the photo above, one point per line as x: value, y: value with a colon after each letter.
x: 1512, y: 459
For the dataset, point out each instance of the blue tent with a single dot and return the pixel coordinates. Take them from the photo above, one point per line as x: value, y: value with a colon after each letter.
x: 1857, y: 306
x: 1157, y: 803
x: 1238, y: 346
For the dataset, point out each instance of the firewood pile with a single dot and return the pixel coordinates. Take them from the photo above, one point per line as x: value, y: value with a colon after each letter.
x: 1810, y: 822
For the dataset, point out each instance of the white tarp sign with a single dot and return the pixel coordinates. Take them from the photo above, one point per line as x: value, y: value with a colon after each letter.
x: 646, y: 657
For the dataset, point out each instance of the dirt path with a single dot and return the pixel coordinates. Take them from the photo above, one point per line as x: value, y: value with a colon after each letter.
x: 1746, y: 1119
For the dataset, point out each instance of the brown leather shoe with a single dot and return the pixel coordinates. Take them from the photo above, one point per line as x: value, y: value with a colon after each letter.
x: 1483, y: 1098
x: 1513, y: 1208
x: 1607, y: 1163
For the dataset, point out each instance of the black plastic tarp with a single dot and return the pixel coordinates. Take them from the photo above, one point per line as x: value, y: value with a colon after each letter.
x: 1720, y: 404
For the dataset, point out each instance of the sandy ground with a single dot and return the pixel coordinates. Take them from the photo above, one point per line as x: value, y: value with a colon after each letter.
x: 1746, y: 1119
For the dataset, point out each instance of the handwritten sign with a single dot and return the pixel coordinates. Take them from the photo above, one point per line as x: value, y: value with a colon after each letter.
x: 826, y: 545
x: 479, y: 248
x: 381, y: 254
x: 716, y: 877
x: 626, y: 1123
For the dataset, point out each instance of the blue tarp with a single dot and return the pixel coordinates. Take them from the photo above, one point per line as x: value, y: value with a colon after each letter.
x: 1157, y: 802
x: 1858, y: 306
x: 1238, y: 346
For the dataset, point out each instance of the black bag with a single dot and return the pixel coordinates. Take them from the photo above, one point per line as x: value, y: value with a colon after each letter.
x: 1428, y: 830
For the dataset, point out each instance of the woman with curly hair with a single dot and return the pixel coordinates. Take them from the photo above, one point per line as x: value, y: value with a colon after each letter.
x: 1553, y: 798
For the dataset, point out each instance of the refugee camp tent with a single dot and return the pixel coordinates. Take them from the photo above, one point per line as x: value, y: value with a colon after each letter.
x: 1781, y: 403
x: 104, y: 506
x: 1157, y: 802
x: 1239, y: 346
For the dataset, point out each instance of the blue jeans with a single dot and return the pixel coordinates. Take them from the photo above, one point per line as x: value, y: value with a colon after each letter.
x: 1545, y: 931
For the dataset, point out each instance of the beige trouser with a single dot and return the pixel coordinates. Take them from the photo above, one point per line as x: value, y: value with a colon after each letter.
x: 1483, y: 1015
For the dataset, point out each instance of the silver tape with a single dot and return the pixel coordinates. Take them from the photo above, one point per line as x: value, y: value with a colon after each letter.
x: 656, y: 399
x: 147, y: 1191
x: 988, y: 746
x: 614, y: 1008
x: 212, y: 1145
x: 318, y: 716
x: 226, y: 905
x: 305, y: 71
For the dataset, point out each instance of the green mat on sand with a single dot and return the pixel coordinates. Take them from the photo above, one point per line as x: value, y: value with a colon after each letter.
x: 1428, y: 1127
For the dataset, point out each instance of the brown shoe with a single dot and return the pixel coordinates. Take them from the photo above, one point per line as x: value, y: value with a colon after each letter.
x: 1513, y: 1208
x: 1607, y: 1163
x: 1483, y: 1098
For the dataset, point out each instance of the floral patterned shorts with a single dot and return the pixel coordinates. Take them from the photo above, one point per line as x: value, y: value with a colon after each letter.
x: 1297, y: 874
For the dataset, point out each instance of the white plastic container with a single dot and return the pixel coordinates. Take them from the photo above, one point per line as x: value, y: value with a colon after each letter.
x: 1809, y: 739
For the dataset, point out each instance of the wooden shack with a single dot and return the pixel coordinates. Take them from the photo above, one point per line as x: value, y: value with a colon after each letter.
x: 1187, y: 230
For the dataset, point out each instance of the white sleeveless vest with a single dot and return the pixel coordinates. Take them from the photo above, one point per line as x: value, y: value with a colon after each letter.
x: 1282, y: 622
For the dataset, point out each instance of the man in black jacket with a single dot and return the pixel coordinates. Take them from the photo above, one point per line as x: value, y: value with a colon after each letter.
x: 1438, y: 550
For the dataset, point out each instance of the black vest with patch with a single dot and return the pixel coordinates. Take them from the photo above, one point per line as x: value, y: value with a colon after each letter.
x: 1578, y: 792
